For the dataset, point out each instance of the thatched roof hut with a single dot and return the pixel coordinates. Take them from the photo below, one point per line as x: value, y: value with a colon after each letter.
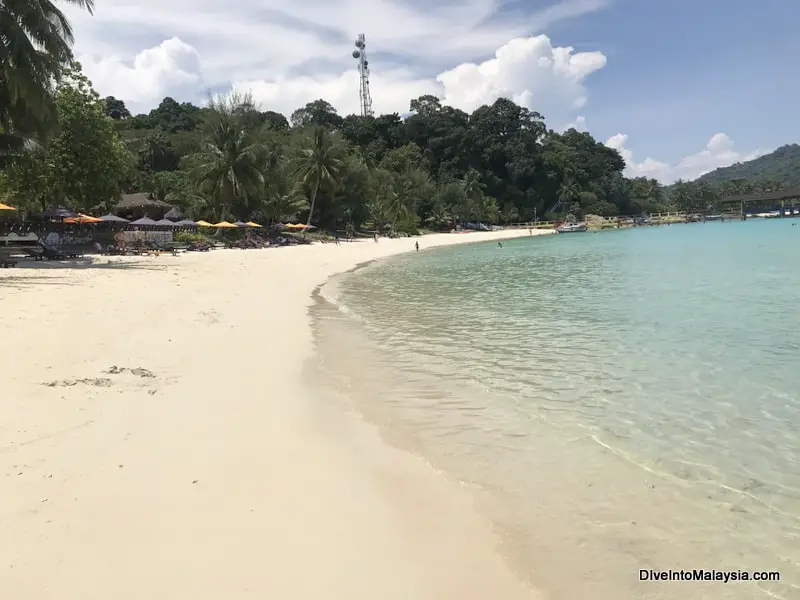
x: 141, y: 204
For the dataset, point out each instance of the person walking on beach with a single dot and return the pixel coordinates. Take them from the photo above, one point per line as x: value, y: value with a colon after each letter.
x: 416, y: 245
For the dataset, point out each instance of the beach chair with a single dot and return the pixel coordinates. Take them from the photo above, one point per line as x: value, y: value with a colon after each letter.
x: 72, y: 251
x: 35, y: 252
x: 6, y: 259
x: 48, y: 252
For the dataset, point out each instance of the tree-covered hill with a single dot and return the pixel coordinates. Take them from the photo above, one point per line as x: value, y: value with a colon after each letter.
x: 781, y: 166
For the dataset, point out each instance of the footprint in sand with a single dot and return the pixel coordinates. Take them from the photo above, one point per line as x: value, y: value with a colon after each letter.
x: 138, y: 371
x: 104, y: 382
x: 95, y: 382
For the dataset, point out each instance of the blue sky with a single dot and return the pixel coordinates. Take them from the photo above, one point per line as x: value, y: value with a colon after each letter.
x: 681, y: 70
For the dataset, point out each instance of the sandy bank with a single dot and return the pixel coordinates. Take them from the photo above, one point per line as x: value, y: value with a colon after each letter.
x: 157, y: 441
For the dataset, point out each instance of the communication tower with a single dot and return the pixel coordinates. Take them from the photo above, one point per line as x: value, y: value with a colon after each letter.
x: 360, y: 53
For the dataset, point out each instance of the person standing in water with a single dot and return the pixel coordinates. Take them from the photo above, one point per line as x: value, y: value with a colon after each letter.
x: 416, y: 245
x: 500, y: 244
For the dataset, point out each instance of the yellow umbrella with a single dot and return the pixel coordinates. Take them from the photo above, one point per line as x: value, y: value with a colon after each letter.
x: 252, y: 224
x: 203, y: 224
x: 225, y: 225
x: 81, y: 218
x: 6, y: 207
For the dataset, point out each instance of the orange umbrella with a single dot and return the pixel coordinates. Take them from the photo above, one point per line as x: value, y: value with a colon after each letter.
x: 6, y: 207
x: 202, y: 223
x: 81, y: 218
x: 252, y: 224
x: 299, y: 226
x: 224, y: 225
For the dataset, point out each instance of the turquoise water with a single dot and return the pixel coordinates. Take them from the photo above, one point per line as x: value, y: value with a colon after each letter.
x: 615, y: 401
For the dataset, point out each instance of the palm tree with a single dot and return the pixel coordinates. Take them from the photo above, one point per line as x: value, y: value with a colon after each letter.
x: 37, y: 41
x: 284, y: 206
x: 281, y: 198
x: 473, y: 187
x: 568, y: 192
x: 399, y: 202
x: 318, y: 165
x: 228, y: 167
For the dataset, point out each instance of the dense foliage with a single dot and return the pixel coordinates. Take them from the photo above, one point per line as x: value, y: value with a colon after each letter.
x: 63, y: 145
x: 781, y: 166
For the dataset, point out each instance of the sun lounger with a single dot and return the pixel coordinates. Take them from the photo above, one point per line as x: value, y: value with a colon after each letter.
x: 108, y: 250
x: 6, y: 259
x: 47, y: 252
x: 36, y: 252
x: 72, y: 251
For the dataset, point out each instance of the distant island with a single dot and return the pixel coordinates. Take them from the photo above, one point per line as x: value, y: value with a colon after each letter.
x: 781, y: 167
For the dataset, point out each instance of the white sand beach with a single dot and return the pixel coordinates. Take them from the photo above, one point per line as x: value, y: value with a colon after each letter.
x: 157, y: 440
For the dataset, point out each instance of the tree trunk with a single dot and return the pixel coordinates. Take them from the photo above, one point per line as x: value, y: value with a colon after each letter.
x: 313, y: 201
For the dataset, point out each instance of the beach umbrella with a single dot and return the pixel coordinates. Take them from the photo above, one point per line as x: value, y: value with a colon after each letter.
x: 143, y: 221
x: 224, y: 225
x: 186, y: 223
x: 256, y: 225
x: 241, y: 224
x: 6, y: 207
x: 113, y: 219
x: 164, y: 223
x: 202, y: 223
x: 81, y: 218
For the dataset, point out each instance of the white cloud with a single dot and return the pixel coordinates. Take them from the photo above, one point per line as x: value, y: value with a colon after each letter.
x: 530, y: 71
x: 170, y: 68
x: 293, y: 52
x: 719, y: 152
x: 579, y: 124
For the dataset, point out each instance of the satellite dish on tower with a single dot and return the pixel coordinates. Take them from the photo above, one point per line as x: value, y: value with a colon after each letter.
x: 360, y: 54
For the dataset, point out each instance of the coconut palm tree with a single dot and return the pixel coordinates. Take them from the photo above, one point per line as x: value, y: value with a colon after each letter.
x: 472, y: 184
x: 319, y: 165
x: 228, y: 167
x: 282, y: 206
x: 474, y: 192
x: 37, y: 41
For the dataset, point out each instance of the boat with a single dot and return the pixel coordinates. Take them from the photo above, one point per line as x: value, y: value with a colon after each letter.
x: 571, y: 227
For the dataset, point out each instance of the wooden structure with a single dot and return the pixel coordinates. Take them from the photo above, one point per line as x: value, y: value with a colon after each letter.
x: 141, y: 204
x: 770, y: 201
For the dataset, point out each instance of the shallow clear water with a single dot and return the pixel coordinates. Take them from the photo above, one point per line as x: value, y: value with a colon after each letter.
x: 616, y: 401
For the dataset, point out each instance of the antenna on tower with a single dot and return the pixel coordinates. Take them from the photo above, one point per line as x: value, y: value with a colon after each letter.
x: 360, y: 53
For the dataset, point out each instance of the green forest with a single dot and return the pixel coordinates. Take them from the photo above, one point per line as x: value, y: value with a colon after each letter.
x: 782, y: 165
x: 65, y: 145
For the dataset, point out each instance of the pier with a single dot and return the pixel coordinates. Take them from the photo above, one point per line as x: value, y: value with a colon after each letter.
x: 784, y: 202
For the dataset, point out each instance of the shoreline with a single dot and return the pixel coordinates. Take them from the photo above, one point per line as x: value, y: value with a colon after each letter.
x: 160, y: 436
